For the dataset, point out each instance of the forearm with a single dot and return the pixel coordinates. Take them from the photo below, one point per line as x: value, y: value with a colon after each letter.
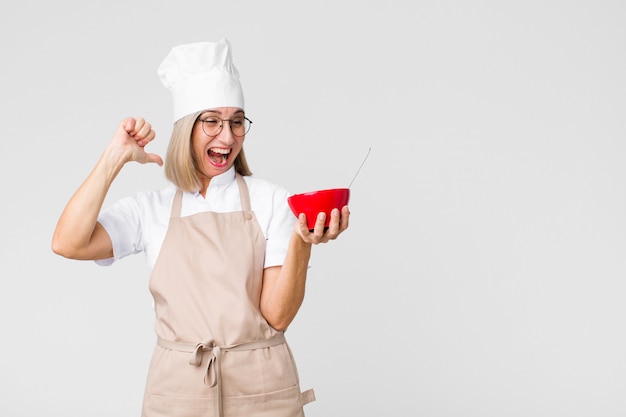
x: 75, y: 228
x: 283, y: 293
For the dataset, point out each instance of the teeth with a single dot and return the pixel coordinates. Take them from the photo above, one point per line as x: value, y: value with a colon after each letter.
x: 220, y: 151
x: 219, y: 155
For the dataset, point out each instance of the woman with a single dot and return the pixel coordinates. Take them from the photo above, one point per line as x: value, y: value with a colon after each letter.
x: 229, y: 260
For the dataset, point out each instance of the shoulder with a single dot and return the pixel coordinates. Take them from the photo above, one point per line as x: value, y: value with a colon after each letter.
x: 269, y: 201
x: 164, y: 196
x: 259, y: 187
x: 266, y: 195
x: 143, y: 202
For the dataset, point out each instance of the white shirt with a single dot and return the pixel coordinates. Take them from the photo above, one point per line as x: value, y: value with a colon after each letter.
x: 138, y: 224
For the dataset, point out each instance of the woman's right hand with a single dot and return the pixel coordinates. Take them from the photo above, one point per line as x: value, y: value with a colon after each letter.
x: 78, y: 234
x: 130, y: 138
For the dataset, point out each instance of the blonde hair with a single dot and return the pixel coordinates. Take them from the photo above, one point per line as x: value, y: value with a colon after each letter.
x: 180, y: 164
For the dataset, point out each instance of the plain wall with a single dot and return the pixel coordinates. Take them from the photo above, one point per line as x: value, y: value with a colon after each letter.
x: 483, y: 273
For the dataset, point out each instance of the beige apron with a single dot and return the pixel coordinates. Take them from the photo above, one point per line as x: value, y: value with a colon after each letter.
x: 216, y: 356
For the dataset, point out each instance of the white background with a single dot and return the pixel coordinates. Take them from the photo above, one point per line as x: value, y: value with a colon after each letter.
x: 484, y: 271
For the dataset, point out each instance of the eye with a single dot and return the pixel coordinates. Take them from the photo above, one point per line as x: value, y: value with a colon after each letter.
x: 210, y: 121
x: 237, y: 122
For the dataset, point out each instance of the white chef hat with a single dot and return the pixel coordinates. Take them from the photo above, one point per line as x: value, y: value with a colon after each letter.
x: 201, y: 76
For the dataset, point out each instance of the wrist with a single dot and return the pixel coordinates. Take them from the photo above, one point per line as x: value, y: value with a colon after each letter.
x: 112, y: 160
x: 299, y: 244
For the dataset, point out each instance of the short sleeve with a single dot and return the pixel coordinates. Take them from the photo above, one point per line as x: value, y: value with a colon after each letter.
x: 122, y: 222
x: 279, y: 229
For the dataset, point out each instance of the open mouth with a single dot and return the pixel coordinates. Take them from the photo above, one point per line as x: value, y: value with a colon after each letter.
x: 218, y: 156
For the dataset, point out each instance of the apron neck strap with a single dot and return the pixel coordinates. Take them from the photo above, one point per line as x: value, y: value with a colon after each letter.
x: 178, y: 202
x: 244, y: 195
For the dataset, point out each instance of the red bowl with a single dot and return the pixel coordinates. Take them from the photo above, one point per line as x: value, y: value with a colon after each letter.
x: 315, y: 202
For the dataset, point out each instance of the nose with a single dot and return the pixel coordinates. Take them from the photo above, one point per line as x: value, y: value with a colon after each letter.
x: 226, y: 133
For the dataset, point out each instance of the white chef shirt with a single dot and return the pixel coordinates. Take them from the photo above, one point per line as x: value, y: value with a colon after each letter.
x: 139, y: 223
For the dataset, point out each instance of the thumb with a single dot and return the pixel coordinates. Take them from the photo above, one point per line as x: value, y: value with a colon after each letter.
x: 154, y: 158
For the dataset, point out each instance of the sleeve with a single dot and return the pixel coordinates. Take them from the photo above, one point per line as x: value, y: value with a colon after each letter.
x: 122, y: 222
x: 279, y: 229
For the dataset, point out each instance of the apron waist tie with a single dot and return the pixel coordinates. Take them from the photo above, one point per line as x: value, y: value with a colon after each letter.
x: 213, y: 370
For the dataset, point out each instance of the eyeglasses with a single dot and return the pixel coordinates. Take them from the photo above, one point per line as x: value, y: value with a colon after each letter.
x: 212, y: 126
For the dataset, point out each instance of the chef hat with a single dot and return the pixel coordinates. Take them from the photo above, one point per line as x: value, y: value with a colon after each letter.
x: 201, y: 76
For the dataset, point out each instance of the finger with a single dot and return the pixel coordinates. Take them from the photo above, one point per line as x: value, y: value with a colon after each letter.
x: 320, y: 224
x: 143, y: 141
x: 345, y: 218
x: 302, y: 220
x: 301, y: 227
x: 333, y: 225
x: 128, y: 125
x: 139, y: 124
x: 144, y: 130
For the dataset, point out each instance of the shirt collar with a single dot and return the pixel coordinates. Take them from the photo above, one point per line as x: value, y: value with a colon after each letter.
x: 221, y: 180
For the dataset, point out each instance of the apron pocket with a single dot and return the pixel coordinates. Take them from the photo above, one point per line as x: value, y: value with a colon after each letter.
x: 167, y: 406
x: 282, y: 403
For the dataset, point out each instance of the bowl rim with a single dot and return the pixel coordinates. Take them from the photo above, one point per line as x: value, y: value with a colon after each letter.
x: 324, y: 191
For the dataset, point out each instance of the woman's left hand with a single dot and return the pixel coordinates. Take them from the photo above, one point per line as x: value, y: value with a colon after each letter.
x: 339, y: 221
